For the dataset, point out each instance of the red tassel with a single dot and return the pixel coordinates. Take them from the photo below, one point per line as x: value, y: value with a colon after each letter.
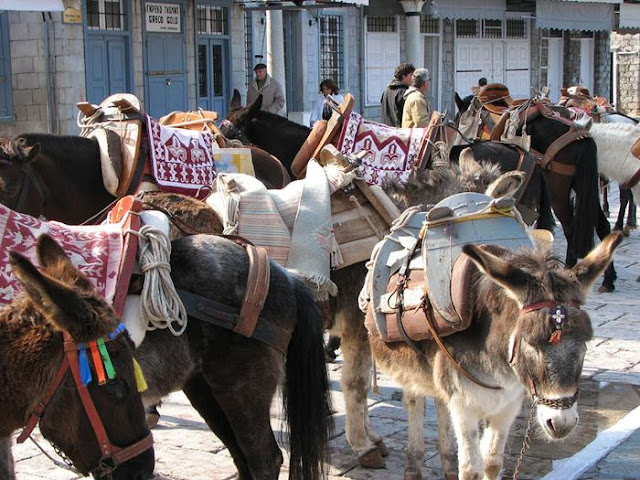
x: 556, y: 337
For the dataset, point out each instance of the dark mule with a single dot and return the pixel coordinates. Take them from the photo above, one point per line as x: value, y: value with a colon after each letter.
x: 67, y: 169
x: 574, y: 184
x: 510, y: 344
x: 60, y: 308
x: 275, y: 134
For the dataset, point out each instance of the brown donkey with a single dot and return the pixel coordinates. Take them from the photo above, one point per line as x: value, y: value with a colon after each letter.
x: 38, y: 335
x: 528, y: 334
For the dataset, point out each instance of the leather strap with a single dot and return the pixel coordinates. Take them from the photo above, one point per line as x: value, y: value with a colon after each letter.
x: 256, y: 290
x: 573, y: 135
x: 447, y: 353
x: 224, y: 316
x: 633, y: 181
x: 498, y: 129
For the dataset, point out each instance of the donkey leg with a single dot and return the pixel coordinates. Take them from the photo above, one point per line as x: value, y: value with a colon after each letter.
x: 6, y: 459
x: 415, y: 446
x: 603, y: 228
x: 494, y: 439
x: 355, y: 381
x: 199, y: 394
x: 465, y: 425
x: 446, y: 442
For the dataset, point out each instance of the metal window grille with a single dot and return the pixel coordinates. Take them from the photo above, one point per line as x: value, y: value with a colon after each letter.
x: 516, y: 28
x: 332, y: 48
x: 492, y: 29
x: 467, y: 28
x: 248, y: 45
x: 428, y: 24
x: 212, y: 20
x: 544, y: 61
x: 108, y: 15
x: 381, y: 24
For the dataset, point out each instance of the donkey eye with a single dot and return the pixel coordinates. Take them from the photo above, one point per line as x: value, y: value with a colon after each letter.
x: 117, y: 389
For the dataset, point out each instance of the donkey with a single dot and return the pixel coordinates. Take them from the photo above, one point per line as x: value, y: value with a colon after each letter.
x: 511, y: 345
x: 60, y: 309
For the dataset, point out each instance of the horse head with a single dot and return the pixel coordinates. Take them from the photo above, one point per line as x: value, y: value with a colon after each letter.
x: 548, y: 334
x: 20, y: 187
x: 234, y: 127
x: 101, y: 428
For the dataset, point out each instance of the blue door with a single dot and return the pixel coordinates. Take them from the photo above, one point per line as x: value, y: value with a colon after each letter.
x: 107, y: 60
x: 213, y: 84
x: 166, y: 72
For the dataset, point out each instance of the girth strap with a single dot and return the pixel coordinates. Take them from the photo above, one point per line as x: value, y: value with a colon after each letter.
x: 221, y: 315
x: 256, y: 290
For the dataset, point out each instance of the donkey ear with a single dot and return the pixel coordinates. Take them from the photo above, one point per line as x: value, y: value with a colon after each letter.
x: 254, y: 108
x: 468, y: 163
x: 235, y: 100
x: 509, y: 277
x: 55, y: 263
x: 506, y: 185
x: 59, y: 303
x: 589, y: 269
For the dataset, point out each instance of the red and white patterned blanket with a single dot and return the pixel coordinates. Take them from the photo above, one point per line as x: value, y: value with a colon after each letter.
x: 181, y: 160
x: 95, y: 250
x: 392, y: 152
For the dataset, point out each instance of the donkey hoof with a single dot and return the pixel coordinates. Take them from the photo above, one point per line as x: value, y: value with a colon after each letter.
x: 384, y: 451
x: 412, y: 474
x: 371, y: 459
x: 606, y: 288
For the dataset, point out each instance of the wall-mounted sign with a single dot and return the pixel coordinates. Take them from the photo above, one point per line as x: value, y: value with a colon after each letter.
x: 162, y: 17
x: 72, y: 15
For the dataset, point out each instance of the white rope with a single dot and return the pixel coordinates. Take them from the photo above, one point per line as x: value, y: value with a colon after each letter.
x: 160, y: 304
x: 365, y: 215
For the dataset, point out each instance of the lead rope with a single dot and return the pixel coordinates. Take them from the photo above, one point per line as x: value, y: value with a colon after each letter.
x: 67, y: 465
x: 526, y: 440
x: 365, y: 215
x: 160, y: 304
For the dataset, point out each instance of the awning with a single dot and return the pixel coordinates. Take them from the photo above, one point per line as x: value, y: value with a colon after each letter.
x: 574, y: 15
x: 302, y: 4
x: 32, y: 5
x: 468, y: 9
x: 630, y: 15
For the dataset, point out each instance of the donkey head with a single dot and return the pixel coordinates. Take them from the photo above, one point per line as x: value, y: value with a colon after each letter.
x: 546, y: 328
x: 64, y: 299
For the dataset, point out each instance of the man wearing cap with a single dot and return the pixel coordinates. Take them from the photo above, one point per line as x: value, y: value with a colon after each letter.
x: 270, y: 89
x: 415, y: 112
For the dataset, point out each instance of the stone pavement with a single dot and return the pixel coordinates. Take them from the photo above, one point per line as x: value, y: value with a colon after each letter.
x: 187, y: 450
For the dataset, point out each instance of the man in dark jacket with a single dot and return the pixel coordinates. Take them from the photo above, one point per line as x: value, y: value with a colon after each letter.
x: 393, y: 96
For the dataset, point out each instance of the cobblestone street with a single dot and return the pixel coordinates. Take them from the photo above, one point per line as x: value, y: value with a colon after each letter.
x: 186, y: 449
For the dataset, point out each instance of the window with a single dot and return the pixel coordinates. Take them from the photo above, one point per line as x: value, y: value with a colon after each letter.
x: 6, y: 96
x: 517, y: 28
x: 428, y: 24
x: 332, y: 49
x: 212, y: 20
x: 106, y: 15
x: 467, y: 29
x: 248, y: 44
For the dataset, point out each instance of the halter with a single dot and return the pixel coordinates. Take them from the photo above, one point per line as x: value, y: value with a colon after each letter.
x: 112, y: 455
x: 35, y: 183
x: 558, y: 315
x: 235, y: 131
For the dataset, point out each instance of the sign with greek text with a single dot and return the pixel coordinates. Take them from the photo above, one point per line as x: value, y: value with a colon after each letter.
x: 162, y: 17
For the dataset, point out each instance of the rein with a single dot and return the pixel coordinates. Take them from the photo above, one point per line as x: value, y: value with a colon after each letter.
x: 112, y: 455
x: 233, y: 130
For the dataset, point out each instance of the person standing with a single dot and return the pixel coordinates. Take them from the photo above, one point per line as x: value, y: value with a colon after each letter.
x: 393, y: 96
x: 416, y: 109
x: 482, y: 81
x: 322, y: 110
x: 267, y: 86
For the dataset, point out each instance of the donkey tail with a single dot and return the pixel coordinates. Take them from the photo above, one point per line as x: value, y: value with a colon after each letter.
x: 545, y: 219
x: 587, y: 201
x: 307, y: 399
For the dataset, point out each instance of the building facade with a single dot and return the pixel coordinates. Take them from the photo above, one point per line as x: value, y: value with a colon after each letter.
x: 188, y: 54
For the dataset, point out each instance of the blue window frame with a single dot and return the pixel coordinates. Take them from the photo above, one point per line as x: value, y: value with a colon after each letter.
x: 6, y: 97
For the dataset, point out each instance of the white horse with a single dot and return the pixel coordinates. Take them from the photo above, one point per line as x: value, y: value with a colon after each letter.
x: 615, y: 161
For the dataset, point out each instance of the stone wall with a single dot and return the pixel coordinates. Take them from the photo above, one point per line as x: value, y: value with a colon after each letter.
x: 626, y: 50
x: 29, y: 80
x: 602, y: 63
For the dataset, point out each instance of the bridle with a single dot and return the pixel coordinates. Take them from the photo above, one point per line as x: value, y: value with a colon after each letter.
x: 229, y: 129
x: 33, y: 181
x: 558, y: 314
x: 111, y: 455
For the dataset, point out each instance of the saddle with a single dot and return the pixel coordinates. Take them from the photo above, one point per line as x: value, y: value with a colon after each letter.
x: 117, y: 124
x: 419, y: 280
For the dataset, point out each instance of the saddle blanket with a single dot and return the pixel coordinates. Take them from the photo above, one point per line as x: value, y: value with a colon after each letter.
x: 181, y: 160
x: 95, y: 250
x: 392, y: 152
